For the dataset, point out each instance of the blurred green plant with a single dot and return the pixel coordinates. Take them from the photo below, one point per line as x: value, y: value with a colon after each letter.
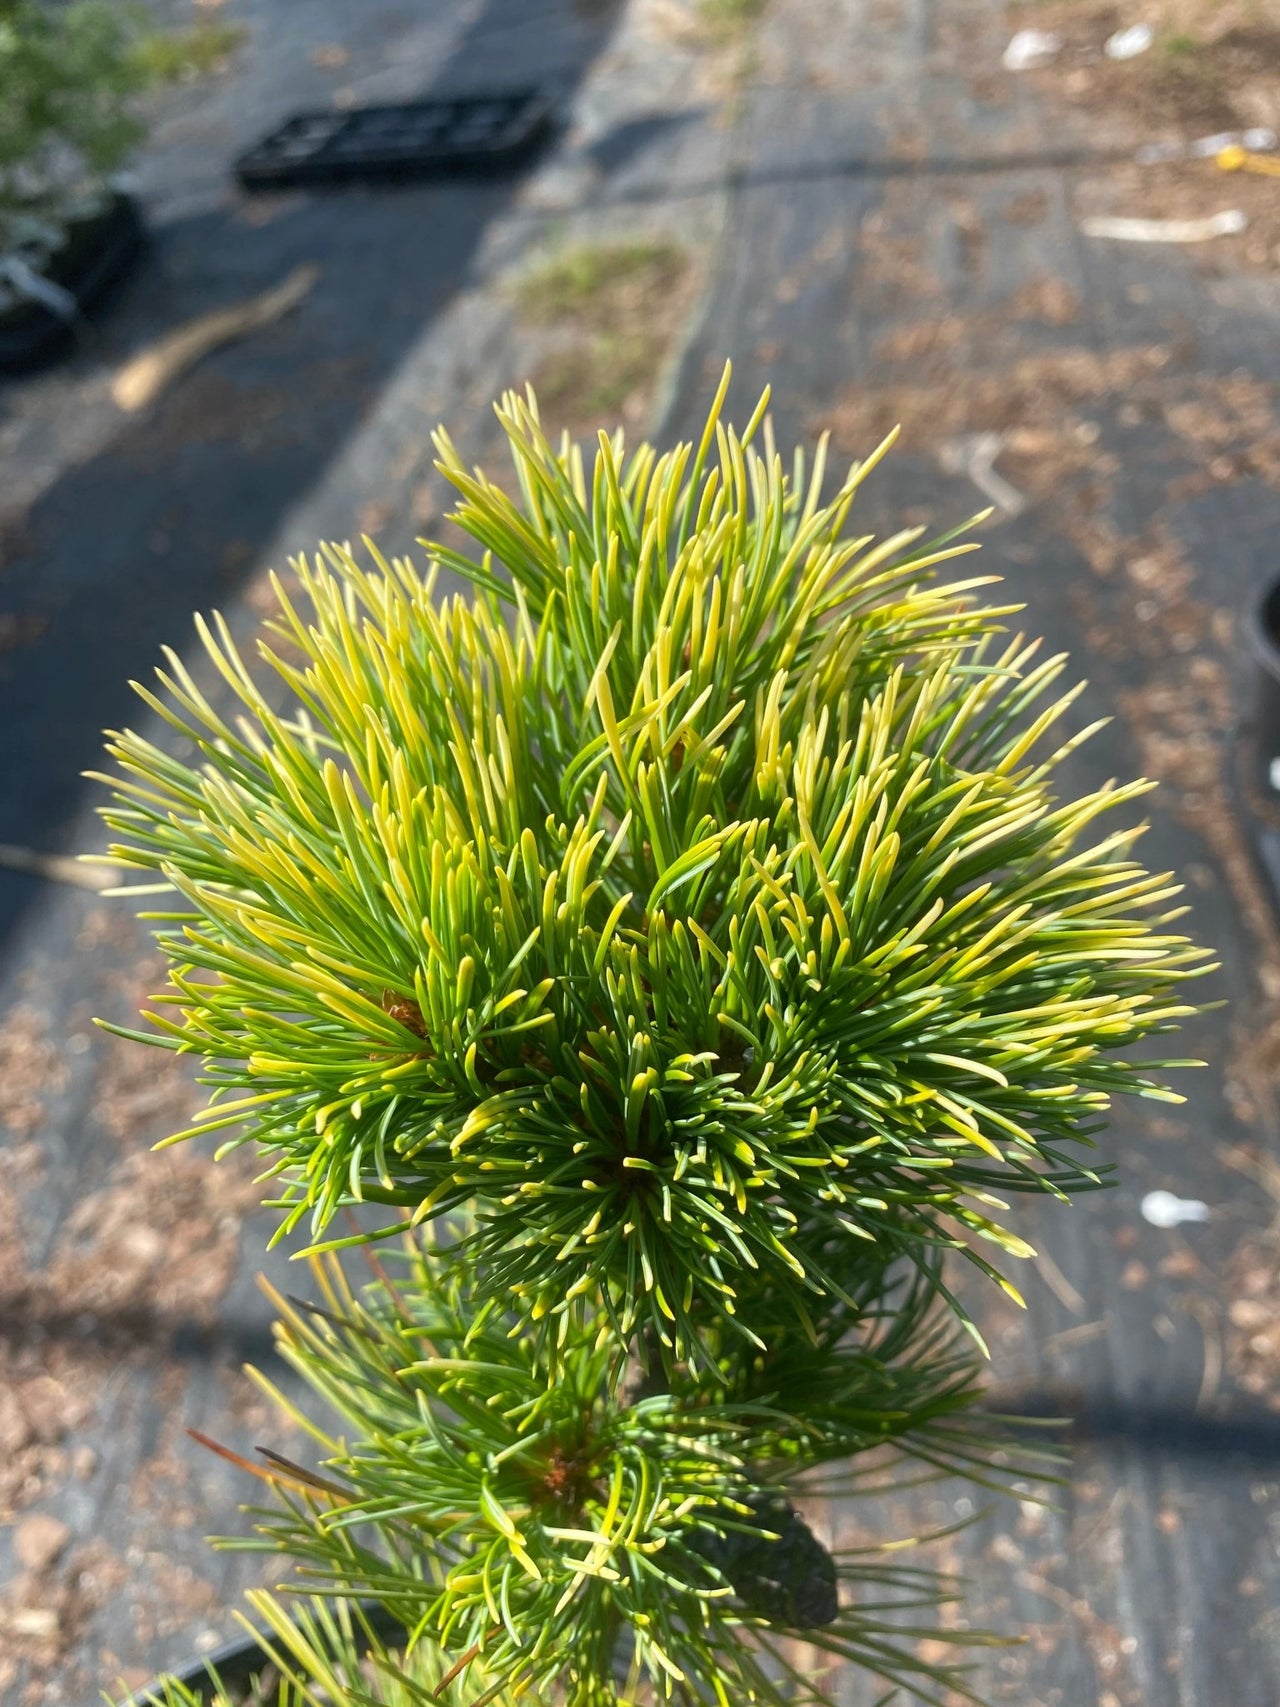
x: 1180, y: 45
x: 693, y: 917
x: 614, y: 307
x: 68, y: 75
x: 728, y: 15
x: 579, y: 282
x: 180, y: 55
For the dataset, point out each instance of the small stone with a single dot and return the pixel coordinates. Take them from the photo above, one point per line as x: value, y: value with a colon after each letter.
x: 1163, y: 1209
x: 40, y: 1540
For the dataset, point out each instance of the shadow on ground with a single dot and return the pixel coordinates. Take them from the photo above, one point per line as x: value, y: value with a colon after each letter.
x: 176, y: 512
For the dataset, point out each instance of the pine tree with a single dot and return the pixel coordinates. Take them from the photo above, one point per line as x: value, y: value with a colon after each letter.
x: 681, y: 945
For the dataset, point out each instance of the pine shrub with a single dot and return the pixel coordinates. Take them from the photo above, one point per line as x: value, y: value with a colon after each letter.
x: 686, y: 942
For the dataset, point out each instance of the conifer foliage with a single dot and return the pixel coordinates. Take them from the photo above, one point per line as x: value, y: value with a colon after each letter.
x: 690, y: 919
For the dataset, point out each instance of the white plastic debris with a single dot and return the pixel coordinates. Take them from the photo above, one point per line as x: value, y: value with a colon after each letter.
x: 1163, y: 1209
x: 1258, y: 140
x: 1128, y: 44
x: 33, y: 285
x: 974, y: 455
x: 1156, y: 153
x: 1205, y: 147
x: 1030, y: 48
x: 1273, y: 774
x: 1224, y: 224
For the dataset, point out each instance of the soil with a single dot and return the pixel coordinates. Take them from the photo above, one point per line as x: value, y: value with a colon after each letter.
x: 1190, y: 82
x: 1046, y: 407
x: 1211, y: 69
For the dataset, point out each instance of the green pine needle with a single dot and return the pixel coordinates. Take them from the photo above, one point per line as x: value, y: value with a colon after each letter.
x: 696, y: 901
x: 317, y: 1653
x: 554, y: 1531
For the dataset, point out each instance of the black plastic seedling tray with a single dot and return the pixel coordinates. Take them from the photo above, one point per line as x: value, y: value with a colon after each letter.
x: 482, y: 132
x: 93, y: 259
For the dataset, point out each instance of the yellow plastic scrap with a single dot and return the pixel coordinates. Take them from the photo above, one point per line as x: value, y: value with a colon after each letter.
x: 1237, y: 159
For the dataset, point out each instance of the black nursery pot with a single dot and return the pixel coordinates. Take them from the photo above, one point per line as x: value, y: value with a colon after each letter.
x: 238, y: 1662
x: 1264, y: 642
x: 95, y: 256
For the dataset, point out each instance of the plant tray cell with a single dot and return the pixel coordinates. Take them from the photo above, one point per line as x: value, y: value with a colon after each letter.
x: 94, y: 257
x: 415, y: 139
